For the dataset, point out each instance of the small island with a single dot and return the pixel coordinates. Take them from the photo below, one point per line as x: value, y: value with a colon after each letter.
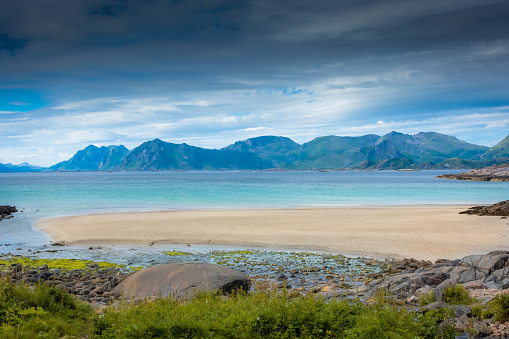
x: 492, y: 173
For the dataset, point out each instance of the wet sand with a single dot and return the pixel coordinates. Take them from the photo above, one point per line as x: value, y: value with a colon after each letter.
x: 421, y: 232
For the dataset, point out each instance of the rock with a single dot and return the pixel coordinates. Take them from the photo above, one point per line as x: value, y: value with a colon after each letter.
x: 281, y: 277
x: 6, y: 211
x: 423, y: 290
x: 57, y: 243
x: 499, y: 209
x: 462, y: 323
x: 474, y: 285
x: 504, y: 284
x: 492, y: 173
x: 433, y: 306
x: 498, y: 275
x: 487, y: 263
x: 460, y: 310
x: 182, y: 280
x: 433, y: 278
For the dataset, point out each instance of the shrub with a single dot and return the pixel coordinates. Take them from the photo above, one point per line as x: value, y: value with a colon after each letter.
x: 457, y: 295
x: 500, y: 307
x: 41, y: 311
x: 265, y: 315
x: 426, y: 299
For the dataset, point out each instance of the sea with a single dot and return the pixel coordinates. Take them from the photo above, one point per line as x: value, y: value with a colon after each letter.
x: 48, y: 194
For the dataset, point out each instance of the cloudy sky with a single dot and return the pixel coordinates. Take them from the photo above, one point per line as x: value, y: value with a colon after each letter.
x: 211, y: 72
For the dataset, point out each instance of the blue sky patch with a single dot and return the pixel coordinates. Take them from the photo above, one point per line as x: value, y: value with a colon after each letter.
x: 20, y: 100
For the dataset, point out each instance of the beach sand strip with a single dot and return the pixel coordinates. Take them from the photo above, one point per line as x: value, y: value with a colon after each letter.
x: 421, y: 232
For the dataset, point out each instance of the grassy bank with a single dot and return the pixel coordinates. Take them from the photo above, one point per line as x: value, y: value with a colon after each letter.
x: 50, y: 312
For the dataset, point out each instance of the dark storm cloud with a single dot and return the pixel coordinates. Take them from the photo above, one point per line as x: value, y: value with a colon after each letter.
x: 263, y: 31
x: 206, y: 70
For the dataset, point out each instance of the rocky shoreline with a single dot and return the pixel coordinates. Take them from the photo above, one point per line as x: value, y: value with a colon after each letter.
x: 402, y: 282
x: 500, y: 209
x: 492, y: 173
x: 7, y: 211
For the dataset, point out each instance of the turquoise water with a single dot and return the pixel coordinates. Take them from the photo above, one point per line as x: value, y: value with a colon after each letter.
x: 42, y: 195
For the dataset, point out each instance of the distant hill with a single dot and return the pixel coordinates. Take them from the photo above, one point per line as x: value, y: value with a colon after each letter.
x: 94, y: 158
x: 394, y: 150
x: 23, y: 167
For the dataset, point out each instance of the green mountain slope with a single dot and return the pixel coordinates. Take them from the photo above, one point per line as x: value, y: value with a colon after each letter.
x: 276, y: 149
x: 158, y: 155
x: 392, y: 151
x: 500, y: 150
x: 427, y: 146
x: 93, y: 158
x: 332, y: 152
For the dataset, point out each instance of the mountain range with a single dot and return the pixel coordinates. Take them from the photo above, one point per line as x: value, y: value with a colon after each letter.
x: 424, y: 150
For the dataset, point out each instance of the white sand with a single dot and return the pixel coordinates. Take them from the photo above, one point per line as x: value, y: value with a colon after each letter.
x: 423, y: 232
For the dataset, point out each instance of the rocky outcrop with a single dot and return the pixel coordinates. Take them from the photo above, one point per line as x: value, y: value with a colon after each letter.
x: 492, y: 173
x: 482, y: 276
x: 490, y: 270
x: 182, y: 280
x: 6, y: 211
x: 498, y: 209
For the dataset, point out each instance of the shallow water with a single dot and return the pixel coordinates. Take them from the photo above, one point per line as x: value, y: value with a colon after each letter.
x: 41, y: 195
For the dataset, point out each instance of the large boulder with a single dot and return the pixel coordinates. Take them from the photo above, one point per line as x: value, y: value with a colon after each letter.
x: 182, y: 280
x: 488, y: 263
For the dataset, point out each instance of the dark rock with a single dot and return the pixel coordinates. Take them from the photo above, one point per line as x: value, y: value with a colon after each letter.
x: 6, y: 211
x: 498, y: 275
x: 499, y: 209
x: 281, y: 277
x: 433, y: 278
x: 460, y: 310
x: 182, y: 280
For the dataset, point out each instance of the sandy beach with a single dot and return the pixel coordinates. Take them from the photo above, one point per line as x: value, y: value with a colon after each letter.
x: 421, y: 232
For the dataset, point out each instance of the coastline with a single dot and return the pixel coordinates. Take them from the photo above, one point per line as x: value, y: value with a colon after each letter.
x: 422, y: 232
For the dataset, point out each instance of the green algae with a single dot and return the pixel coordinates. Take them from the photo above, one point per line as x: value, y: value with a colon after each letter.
x: 61, y: 264
x: 175, y: 253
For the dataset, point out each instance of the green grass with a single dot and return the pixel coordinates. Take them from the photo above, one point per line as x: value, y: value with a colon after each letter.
x: 266, y: 315
x: 41, y: 311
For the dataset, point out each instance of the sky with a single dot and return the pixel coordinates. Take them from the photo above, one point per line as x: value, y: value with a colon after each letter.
x: 212, y: 72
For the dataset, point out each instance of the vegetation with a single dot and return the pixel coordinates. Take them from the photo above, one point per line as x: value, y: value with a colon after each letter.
x: 497, y: 308
x: 61, y: 264
x: 392, y: 151
x: 41, y: 311
x: 453, y: 295
x: 50, y: 312
x: 457, y: 295
x: 175, y: 253
x: 266, y: 315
